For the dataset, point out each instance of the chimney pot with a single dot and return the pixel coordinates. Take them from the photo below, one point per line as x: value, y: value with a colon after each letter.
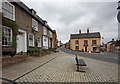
x: 87, y: 30
x: 80, y: 31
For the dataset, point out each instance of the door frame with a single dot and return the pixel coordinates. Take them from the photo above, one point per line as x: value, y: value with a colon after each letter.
x: 25, y: 38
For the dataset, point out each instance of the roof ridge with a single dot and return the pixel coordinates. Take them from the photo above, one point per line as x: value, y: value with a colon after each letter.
x: 86, y: 35
x: 27, y: 9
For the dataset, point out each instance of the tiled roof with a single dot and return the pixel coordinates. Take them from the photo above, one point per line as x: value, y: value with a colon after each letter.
x: 86, y: 35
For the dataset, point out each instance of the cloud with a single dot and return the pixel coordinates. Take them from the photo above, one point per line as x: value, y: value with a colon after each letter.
x: 69, y: 17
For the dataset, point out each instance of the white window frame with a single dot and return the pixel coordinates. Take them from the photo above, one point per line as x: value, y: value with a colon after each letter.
x: 39, y: 41
x: 8, y: 10
x: 34, y: 24
x: 5, y: 27
x: 29, y: 40
x: 44, y: 30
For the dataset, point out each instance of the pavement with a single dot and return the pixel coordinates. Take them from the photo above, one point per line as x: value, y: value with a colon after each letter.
x: 60, y: 67
x: 15, y: 70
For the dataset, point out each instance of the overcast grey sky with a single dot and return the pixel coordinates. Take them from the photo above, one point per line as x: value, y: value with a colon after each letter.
x: 68, y: 17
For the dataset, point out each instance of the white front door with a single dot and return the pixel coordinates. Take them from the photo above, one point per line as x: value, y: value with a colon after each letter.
x: 45, y: 42
x: 21, y: 41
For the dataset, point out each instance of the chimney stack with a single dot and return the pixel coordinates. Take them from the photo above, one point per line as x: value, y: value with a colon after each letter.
x: 112, y: 39
x: 87, y: 30
x: 80, y: 31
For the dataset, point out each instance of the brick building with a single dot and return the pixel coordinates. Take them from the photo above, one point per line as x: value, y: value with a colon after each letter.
x: 113, y: 46
x: 85, y: 41
x: 55, y: 39
x: 23, y: 29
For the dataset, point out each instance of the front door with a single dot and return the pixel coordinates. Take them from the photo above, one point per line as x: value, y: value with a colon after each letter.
x: 85, y: 49
x: 45, y: 42
x: 21, y: 41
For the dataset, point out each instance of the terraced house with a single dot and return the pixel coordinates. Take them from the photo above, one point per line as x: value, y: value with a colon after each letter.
x: 23, y: 29
x: 85, y: 41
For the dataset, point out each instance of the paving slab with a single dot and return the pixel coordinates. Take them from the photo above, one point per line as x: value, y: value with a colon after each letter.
x: 63, y: 69
x: 15, y: 70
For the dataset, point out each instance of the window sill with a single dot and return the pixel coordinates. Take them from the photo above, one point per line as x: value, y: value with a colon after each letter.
x: 31, y: 46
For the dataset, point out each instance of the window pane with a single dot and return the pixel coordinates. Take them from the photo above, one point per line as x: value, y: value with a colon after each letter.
x: 5, y: 5
x: 6, y: 36
x: 5, y: 41
x: 11, y: 8
x: 85, y: 42
x: 4, y: 12
x: 9, y: 33
x: 8, y: 43
x: 8, y: 30
x: 31, y: 40
x: 38, y: 39
x: 93, y: 41
x: 2, y: 40
x: 8, y: 10
x: 76, y: 42
x: 8, y: 7
x: 4, y: 31
x: 9, y: 39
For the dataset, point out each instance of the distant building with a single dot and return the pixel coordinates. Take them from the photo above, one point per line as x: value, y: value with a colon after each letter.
x: 113, y: 46
x: 55, y: 39
x: 85, y: 41
x: 103, y: 47
x: 59, y: 44
x: 67, y: 45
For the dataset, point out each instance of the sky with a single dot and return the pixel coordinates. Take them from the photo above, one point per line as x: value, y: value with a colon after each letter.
x: 67, y: 17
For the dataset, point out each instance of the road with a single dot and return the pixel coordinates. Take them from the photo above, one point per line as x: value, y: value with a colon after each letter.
x: 105, y: 56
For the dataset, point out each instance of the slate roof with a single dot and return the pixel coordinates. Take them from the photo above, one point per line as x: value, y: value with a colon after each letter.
x: 28, y: 10
x: 86, y: 35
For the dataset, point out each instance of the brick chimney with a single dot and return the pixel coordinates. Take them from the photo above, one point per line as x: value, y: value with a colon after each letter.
x: 80, y: 31
x: 87, y: 30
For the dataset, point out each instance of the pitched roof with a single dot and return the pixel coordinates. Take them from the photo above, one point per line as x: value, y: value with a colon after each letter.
x: 86, y: 35
x: 28, y: 10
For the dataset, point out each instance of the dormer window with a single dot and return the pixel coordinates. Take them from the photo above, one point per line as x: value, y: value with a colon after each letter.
x: 34, y: 25
x: 33, y: 11
x: 45, y: 22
